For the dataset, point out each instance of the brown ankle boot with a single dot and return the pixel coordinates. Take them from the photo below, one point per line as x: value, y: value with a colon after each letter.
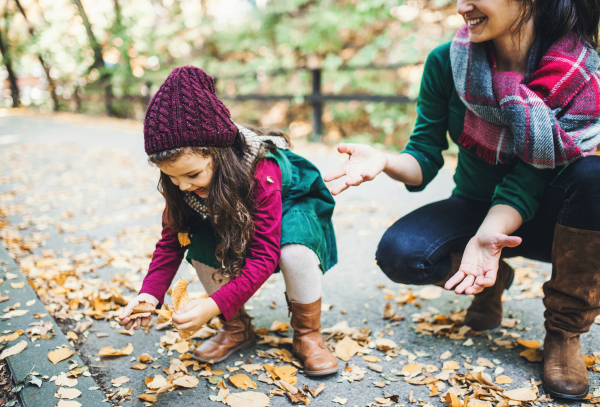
x: 485, y: 311
x: 572, y: 303
x: 235, y: 335
x: 308, y: 342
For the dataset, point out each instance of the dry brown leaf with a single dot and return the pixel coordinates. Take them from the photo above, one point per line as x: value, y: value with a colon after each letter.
x: 374, y: 367
x: 68, y: 403
x: 532, y: 355
x: 529, y: 344
x: 65, y: 393
x: 316, y: 391
x: 446, y: 355
x: 241, y: 381
x: 247, y: 399
x: 151, y: 398
x: 430, y: 293
x: 346, y: 348
x: 139, y: 366
x: 146, y: 358
x: 388, y: 312
x: 503, y: 380
x: 20, y: 284
x: 59, y: 355
x: 184, y: 239
x: 523, y: 394
x: 120, y: 380
x: 63, y: 380
x: 186, y: 381
x: 279, y: 326
x: 13, y: 350
x: 110, y: 351
x: 410, y: 369
x: 156, y: 383
x: 452, y: 400
x: 179, y: 295
x: 15, y: 313
x: 15, y: 335
x: 371, y: 359
x: 451, y: 365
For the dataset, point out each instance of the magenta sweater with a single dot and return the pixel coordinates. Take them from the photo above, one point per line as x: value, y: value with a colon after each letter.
x: 262, y: 259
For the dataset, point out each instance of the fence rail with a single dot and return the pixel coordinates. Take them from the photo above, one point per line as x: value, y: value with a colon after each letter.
x: 317, y: 98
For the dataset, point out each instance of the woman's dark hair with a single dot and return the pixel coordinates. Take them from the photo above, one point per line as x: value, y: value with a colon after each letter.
x: 555, y: 18
x: 230, y: 200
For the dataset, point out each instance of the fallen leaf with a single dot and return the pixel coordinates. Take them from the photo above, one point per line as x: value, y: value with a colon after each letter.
x: 13, y: 350
x: 110, y: 351
x: 139, y: 366
x: 375, y: 368
x: 146, y: 358
x: 532, y: 355
x: 247, y: 399
x: 412, y: 368
x: 59, y: 355
x: 20, y: 284
x: 430, y: 293
x: 346, y: 348
x: 451, y: 365
x: 503, y: 380
x: 388, y: 312
x: 120, y: 380
x: 63, y: 380
x: 65, y: 393
x: 68, y: 403
x: 446, y: 355
x: 15, y: 335
x: 156, y: 383
x: 339, y: 400
x: 151, y: 398
x: 529, y: 344
x: 279, y: 326
x: 371, y: 359
x: 523, y: 394
x: 452, y: 400
x: 241, y: 381
x: 187, y: 381
x: 15, y: 313
x: 483, y: 362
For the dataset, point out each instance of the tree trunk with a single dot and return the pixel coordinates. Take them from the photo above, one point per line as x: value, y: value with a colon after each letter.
x: 14, y: 89
x: 51, y: 85
x: 98, y: 60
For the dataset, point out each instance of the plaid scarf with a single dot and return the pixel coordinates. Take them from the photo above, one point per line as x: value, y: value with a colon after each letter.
x: 254, y: 143
x: 549, y: 118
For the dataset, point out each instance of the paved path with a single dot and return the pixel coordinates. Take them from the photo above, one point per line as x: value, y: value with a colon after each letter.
x: 99, y: 173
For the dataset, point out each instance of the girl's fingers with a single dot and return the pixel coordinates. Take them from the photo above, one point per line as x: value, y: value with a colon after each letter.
x: 188, y: 326
x: 339, y: 188
x: 146, y: 321
x: 455, y: 279
x: 474, y: 289
x: 138, y: 324
x: 127, y: 310
x: 354, y: 181
x: 345, y: 148
x: 129, y: 325
x: 467, y: 282
x: 187, y: 307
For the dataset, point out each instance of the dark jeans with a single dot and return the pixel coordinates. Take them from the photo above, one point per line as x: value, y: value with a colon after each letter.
x: 416, y: 249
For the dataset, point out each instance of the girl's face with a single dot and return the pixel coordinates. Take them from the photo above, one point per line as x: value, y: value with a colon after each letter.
x: 489, y: 19
x: 190, y: 172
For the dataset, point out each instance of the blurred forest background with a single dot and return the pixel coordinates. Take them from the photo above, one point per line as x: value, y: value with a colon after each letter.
x: 108, y: 57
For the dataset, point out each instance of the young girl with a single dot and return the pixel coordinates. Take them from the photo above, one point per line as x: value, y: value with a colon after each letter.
x: 250, y: 207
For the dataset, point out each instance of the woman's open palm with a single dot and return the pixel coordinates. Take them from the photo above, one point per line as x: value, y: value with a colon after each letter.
x: 364, y: 163
x: 479, y: 265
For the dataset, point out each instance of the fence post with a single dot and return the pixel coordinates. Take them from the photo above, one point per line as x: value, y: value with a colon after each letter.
x: 317, y: 104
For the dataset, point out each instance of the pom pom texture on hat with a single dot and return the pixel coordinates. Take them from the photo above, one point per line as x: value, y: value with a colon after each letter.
x: 186, y: 112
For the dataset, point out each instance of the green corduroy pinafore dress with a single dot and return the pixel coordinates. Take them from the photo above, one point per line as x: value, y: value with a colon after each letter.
x: 307, y: 211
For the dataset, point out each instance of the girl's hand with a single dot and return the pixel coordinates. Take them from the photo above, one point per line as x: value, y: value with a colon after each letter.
x: 195, y: 314
x: 124, y: 319
x: 480, y: 261
x: 364, y: 164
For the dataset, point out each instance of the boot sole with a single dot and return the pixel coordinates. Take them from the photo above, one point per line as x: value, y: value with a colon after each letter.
x: 326, y: 372
x: 243, y: 346
x: 556, y: 394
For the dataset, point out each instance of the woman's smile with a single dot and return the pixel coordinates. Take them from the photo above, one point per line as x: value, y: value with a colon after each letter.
x: 475, y: 22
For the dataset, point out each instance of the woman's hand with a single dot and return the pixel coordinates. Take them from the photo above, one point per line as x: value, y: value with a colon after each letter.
x: 124, y: 319
x: 195, y: 314
x: 480, y: 262
x: 364, y: 164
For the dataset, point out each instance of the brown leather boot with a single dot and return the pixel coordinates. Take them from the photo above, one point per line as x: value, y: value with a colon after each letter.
x: 235, y: 335
x: 308, y: 342
x: 572, y: 303
x: 485, y: 311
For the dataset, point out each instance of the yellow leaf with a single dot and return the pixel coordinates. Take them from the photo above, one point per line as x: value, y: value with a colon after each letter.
x: 139, y: 366
x: 13, y: 350
x: 60, y: 354
x: 412, y: 368
x: 371, y: 359
x: 503, y: 380
x: 184, y: 239
x: 346, y: 348
x: 186, y: 381
x: 529, y: 344
x: 523, y: 394
x: 241, y: 381
x: 532, y: 355
x: 151, y: 398
x: 247, y: 399
x: 110, y: 351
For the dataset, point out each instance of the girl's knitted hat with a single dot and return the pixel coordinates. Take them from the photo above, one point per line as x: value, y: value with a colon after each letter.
x: 186, y: 112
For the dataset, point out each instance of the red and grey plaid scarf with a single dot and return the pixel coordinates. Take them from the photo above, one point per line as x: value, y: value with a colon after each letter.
x: 549, y: 118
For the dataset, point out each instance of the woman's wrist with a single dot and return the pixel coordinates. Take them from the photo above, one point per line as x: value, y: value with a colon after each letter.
x: 503, y: 219
x: 212, y: 309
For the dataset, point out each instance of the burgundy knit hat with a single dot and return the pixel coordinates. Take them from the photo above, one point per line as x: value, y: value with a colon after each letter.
x: 186, y: 112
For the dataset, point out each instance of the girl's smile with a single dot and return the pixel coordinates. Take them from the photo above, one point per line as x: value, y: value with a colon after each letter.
x: 190, y: 172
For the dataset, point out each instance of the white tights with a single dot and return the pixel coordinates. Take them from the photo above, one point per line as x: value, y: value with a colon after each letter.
x: 300, y: 268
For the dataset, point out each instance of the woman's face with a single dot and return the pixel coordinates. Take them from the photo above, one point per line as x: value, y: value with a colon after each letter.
x: 489, y: 19
x: 190, y: 172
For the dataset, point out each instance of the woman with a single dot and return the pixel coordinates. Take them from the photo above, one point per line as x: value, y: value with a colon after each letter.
x: 517, y: 90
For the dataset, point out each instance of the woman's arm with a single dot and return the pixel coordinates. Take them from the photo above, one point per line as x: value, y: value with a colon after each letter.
x: 480, y: 260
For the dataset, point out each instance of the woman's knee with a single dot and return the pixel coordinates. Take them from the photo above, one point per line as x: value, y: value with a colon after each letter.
x: 399, y: 258
x: 297, y: 256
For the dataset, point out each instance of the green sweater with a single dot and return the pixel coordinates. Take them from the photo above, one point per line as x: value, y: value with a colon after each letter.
x: 440, y: 111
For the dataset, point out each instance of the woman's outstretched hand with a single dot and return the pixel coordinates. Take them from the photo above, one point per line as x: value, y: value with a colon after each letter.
x: 195, y: 314
x: 480, y: 261
x: 364, y: 163
x: 136, y: 323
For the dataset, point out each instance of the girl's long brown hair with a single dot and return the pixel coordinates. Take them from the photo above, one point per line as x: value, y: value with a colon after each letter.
x: 230, y: 200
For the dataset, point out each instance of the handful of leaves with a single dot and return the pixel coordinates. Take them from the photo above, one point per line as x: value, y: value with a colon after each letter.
x: 180, y: 298
x: 142, y: 310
